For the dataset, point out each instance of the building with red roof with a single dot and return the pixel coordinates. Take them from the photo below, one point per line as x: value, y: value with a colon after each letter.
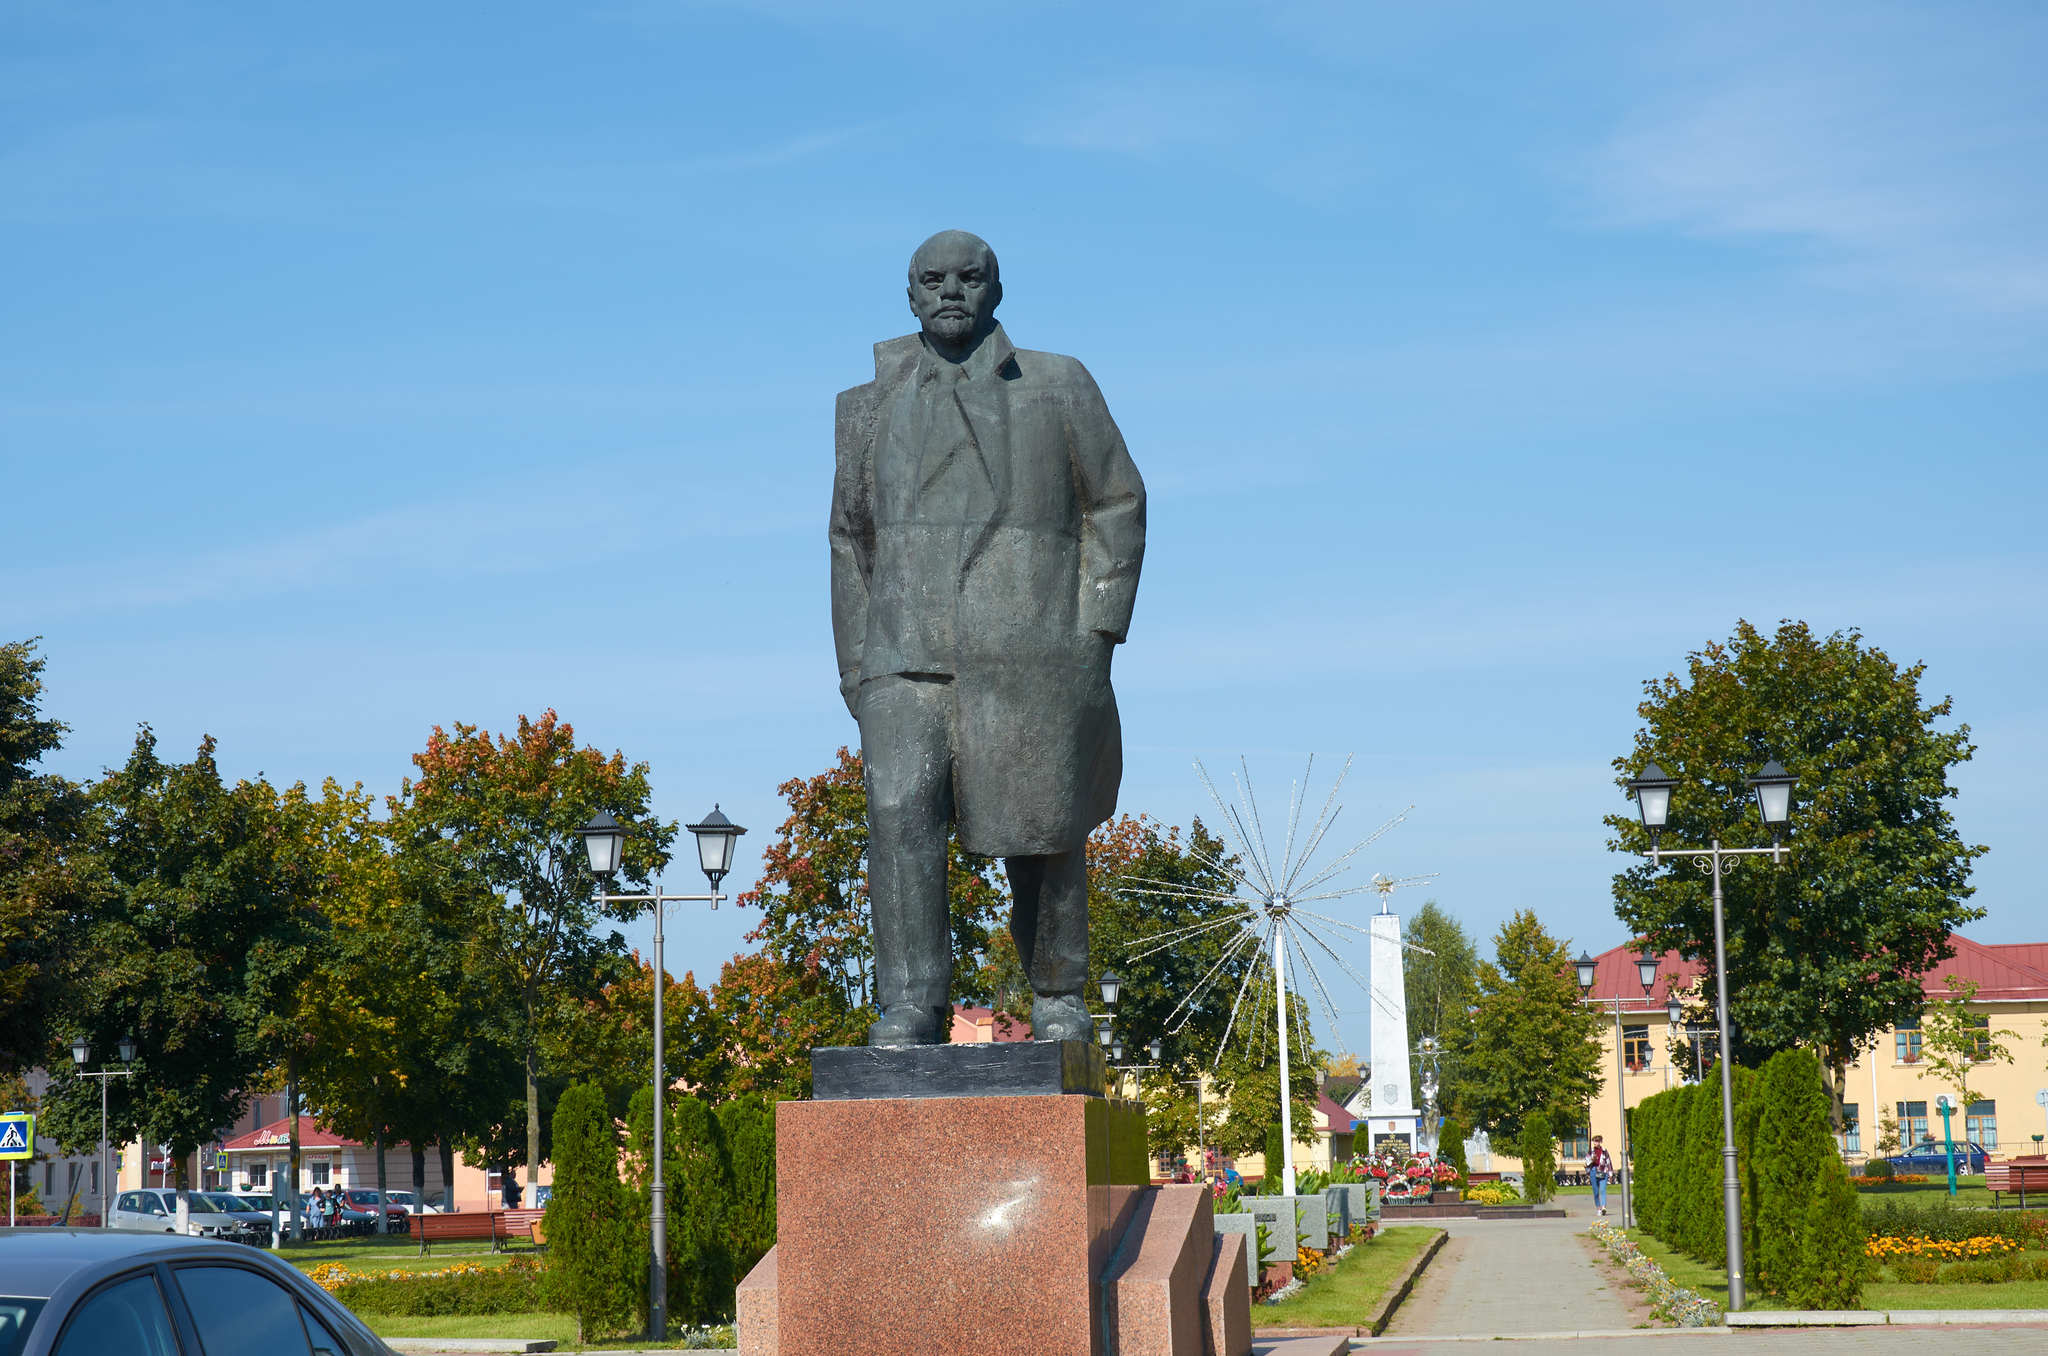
x: 1889, y: 1083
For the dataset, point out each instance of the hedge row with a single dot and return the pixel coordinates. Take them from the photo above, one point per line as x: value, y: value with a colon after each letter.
x: 515, y: 1288
x: 1803, y: 1230
x: 1895, y: 1217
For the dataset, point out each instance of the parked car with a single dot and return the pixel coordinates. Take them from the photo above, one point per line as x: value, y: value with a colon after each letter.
x: 1930, y: 1156
x: 367, y: 1200
x: 413, y: 1204
x: 258, y: 1221
x: 92, y: 1292
x: 155, y: 1210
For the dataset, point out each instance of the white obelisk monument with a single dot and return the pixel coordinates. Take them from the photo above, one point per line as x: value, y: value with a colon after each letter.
x: 1393, y: 1112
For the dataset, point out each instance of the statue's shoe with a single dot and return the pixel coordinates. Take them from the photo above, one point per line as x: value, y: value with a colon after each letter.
x: 1060, y: 1017
x: 905, y: 1024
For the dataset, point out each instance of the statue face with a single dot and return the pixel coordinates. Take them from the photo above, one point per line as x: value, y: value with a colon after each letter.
x: 953, y: 288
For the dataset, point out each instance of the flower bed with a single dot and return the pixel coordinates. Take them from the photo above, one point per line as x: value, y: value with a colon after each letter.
x: 1884, y: 1247
x: 1895, y: 1179
x: 464, y: 1288
x: 1493, y: 1193
x: 1668, y: 1299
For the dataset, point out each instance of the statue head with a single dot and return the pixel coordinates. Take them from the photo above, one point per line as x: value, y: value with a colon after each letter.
x: 954, y: 290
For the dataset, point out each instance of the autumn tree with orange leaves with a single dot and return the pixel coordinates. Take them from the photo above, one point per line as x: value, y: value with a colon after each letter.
x: 509, y: 808
x: 813, y: 897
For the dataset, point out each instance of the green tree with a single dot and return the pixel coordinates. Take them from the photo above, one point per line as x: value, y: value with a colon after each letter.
x: 1440, y: 980
x: 1451, y: 1137
x: 1158, y: 915
x: 1538, y: 1152
x: 747, y: 1123
x: 1534, y: 1045
x: 1828, y: 948
x: 697, y: 1176
x: 46, y: 892
x: 207, y: 928
x: 595, y: 1267
x: 1804, y: 1250
x: 1955, y: 1039
x: 510, y: 809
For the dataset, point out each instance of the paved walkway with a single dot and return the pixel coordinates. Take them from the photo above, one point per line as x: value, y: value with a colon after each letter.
x: 1497, y: 1277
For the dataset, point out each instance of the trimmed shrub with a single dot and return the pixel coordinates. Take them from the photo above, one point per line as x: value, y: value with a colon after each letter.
x: 1450, y: 1143
x: 1539, y: 1159
x: 1702, y: 1222
x: 698, y: 1178
x: 1276, y: 1161
x: 1898, y: 1217
x: 594, y: 1270
x: 518, y: 1287
x: 748, y: 1123
x: 1878, y: 1169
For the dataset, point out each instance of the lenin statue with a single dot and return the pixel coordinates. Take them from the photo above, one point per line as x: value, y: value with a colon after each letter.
x: 987, y: 529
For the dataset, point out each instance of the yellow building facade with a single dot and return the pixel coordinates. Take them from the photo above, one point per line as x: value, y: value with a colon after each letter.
x: 1891, y: 1082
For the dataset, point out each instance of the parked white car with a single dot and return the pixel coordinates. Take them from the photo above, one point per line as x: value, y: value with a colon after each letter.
x: 155, y: 1210
x: 413, y: 1205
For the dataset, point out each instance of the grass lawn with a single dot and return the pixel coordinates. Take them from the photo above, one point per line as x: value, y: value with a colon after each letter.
x: 1350, y: 1291
x: 530, y: 1327
x: 368, y: 1254
x: 1969, y: 1191
x: 1880, y: 1294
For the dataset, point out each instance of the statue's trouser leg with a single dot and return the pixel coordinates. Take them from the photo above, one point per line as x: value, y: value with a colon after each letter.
x: 1049, y: 920
x: 907, y: 755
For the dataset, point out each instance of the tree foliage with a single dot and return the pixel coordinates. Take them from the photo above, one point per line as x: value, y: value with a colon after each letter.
x: 1955, y: 1038
x: 1827, y: 949
x: 813, y: 895
x: 1534, y: 1047
x: 1146, y: 882
x: 207, y: 928
x: 46, y: 895
x: 1538, y: 1151
x: 1440, y: 982
x: 509, y: 809
x: 595, y: 1268
x: 697, y: 1177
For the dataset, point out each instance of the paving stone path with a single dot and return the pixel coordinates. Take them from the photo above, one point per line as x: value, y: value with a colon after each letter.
x: 1889, y: 1341
x: 1496, y: 1277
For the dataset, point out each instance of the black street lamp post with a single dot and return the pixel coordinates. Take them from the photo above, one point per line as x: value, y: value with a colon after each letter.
x: 604, y: 841
x: 1772, y: 789
x: 81, y: 1054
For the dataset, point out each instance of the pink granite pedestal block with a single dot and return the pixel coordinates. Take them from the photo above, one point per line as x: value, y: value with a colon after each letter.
x: 933, y: 1226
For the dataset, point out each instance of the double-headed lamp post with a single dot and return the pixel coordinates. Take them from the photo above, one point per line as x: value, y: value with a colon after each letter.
x: 604, y: 839
x: 81, y: 1053
x: 1646, y: 973
x: 1772, y: 788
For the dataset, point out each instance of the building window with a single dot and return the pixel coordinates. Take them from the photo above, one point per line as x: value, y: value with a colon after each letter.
x: 1635, y: 1047
x: 1852, y: 1129
x: 95, y: 1177
x: 1576, y: 1143
x: 1980, y: 1123
x: 321, y: 1171
x: 259, y: 1175
x: 1906, y: 1042
x: 1912, y: 1124
x: 1980, y: 1037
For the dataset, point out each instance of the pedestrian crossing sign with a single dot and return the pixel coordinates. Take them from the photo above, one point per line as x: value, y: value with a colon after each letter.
x: 17, y: 1137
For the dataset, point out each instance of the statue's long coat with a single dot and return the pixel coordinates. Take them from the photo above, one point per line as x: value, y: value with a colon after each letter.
x: 1020, y: 599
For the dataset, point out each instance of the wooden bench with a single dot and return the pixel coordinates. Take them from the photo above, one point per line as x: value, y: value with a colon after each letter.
x: 1478, y: 1178
x: 2019, y: 1175
x: 499, y: 1226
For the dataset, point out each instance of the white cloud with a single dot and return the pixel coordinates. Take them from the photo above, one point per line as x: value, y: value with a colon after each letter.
x: 1899, y: 152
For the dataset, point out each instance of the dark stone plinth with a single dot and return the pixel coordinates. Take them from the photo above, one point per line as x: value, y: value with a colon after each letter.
x: 995, y: 1069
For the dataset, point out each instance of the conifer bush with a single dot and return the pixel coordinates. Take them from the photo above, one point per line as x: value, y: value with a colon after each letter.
x: 1450, y: 1143
x: 748, y: 1123
x: 594, y: 1268
x: 1539, y: 1159
x: 697, y: 1175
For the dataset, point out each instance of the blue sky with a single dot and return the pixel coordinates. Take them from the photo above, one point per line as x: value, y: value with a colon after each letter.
x: 393, y: 365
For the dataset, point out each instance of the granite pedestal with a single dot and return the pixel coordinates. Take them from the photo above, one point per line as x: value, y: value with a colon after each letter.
x: 918, y: 1218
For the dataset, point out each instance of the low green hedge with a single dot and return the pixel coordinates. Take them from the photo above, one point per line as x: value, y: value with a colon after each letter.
x: 1902, y: 1217
x: 514, y: 1288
